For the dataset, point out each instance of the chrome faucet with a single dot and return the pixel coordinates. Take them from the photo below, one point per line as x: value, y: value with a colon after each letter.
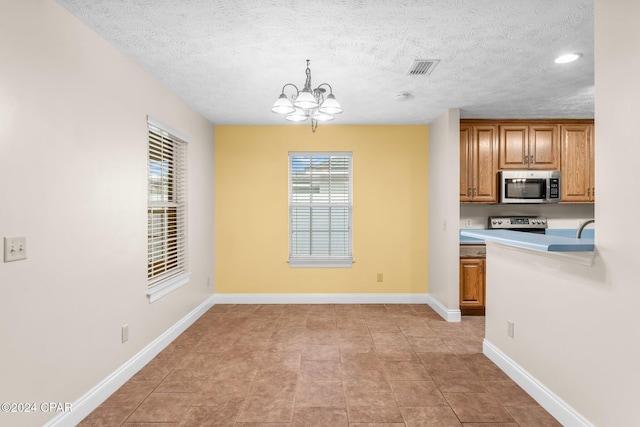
x: 582, y: 226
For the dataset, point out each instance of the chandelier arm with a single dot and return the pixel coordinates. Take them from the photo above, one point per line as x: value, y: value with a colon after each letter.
x: 318, y: 95
x: 291, y: 84
x: 326, y: 84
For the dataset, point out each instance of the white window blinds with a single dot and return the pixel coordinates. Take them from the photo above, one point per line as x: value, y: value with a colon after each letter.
x: 320, y: 209
x: 166, y: 206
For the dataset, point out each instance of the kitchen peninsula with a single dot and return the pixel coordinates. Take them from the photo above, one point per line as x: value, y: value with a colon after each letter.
x: 540, y: 242
x: 525, y: 273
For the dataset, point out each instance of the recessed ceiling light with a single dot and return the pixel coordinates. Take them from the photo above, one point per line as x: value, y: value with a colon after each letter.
x: 570, y: 57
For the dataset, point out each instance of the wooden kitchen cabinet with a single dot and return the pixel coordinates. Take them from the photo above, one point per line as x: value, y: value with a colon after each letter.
x: 577, y: 166
x: 472, y: 286
x: 490, y: 145
x: 478, y: 163
x: 534, y: 146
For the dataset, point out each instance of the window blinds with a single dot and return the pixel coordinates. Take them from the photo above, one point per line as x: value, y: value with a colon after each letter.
x: 320, y: 209
x: 166, y: 205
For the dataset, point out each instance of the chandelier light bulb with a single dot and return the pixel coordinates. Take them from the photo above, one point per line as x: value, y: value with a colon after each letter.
x: 322, y: 117
x: 331, y: 105
x: 283, y: 105
x: 297, y: 116
x: 306, y: 100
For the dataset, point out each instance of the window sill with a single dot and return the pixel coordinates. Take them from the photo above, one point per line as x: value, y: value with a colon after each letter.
x: 166, y: 287
x: 320, y: 263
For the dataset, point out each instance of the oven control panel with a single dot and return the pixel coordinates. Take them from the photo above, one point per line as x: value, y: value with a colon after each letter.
x: 518, y: 222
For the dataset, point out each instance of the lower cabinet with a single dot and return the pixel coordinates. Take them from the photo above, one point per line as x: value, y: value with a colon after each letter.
x: 472, y: 286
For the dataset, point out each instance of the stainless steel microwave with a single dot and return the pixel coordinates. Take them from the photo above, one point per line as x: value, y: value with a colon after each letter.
x: 529, y: 186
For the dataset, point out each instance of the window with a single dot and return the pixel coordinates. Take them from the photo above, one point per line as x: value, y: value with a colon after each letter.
x: 320, y: 205
x: 166, y: 211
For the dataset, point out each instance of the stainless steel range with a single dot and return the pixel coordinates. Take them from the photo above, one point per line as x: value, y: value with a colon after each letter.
x: 530, y: 224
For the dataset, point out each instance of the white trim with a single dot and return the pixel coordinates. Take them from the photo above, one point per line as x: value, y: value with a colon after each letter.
x: 450, y: 315
x: 166, y: 287
x: 320, y: 153
x: 99, y: 393
x: 167, y: 129
x: 320, y: 298
x: 557, y: 407
x: 333, y: 260
x: 310, y: 262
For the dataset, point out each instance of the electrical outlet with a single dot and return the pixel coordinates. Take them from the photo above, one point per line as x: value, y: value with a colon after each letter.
x: 510, y: 326
x: 15, y: 248
x: 467, y: 222
x: 379, y: 277
x: 125, y: 333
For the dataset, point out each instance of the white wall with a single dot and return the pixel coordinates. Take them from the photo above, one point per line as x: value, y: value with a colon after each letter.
x: 73, y: 141
x: 444, y: 209
x: 576, y: 327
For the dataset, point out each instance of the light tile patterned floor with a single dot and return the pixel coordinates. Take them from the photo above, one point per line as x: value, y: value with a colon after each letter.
x: 323, y: 365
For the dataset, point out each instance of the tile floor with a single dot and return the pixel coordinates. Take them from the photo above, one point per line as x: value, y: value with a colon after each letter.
x: 322, y: 365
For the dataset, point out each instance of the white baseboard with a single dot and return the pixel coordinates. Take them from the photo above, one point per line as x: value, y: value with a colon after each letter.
x: 320, y: 298
x: 98, y: 394
x: 446, y: 313
x: 557, y: 407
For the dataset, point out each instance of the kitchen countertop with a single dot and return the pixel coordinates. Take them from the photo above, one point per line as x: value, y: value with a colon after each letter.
x: 464, y: 240
x: 550, y: 242
x: 587, y: 233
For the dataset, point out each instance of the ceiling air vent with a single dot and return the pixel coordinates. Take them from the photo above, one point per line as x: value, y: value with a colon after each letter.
x: 422, y: 67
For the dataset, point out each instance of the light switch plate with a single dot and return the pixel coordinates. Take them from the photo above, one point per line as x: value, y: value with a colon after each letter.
x: 15, y: 248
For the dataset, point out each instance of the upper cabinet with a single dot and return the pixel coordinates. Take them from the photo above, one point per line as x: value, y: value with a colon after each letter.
x: 478, y: 163
x: 488, y: 146
x: 577, y: 163
x: 533, y: 146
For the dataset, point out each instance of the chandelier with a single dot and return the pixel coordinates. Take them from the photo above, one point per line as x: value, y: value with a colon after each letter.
x: 308, y: 103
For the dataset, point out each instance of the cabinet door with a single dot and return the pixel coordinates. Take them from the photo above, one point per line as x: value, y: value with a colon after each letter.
x: 514, y: 147
x: 576, y: 162
x: 544, y: 147
x: 472, y: 283
x: 466, y: 164
x: 485, y: 159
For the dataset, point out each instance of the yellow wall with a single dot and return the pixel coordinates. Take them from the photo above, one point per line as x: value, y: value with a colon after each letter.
x: 390, y: 204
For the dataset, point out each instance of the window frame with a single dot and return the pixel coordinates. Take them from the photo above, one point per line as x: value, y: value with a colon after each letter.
x: 344, y: 260
x: 167, y: 200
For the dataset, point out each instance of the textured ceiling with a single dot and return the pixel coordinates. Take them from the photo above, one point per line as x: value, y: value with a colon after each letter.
x: 229, y: 59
